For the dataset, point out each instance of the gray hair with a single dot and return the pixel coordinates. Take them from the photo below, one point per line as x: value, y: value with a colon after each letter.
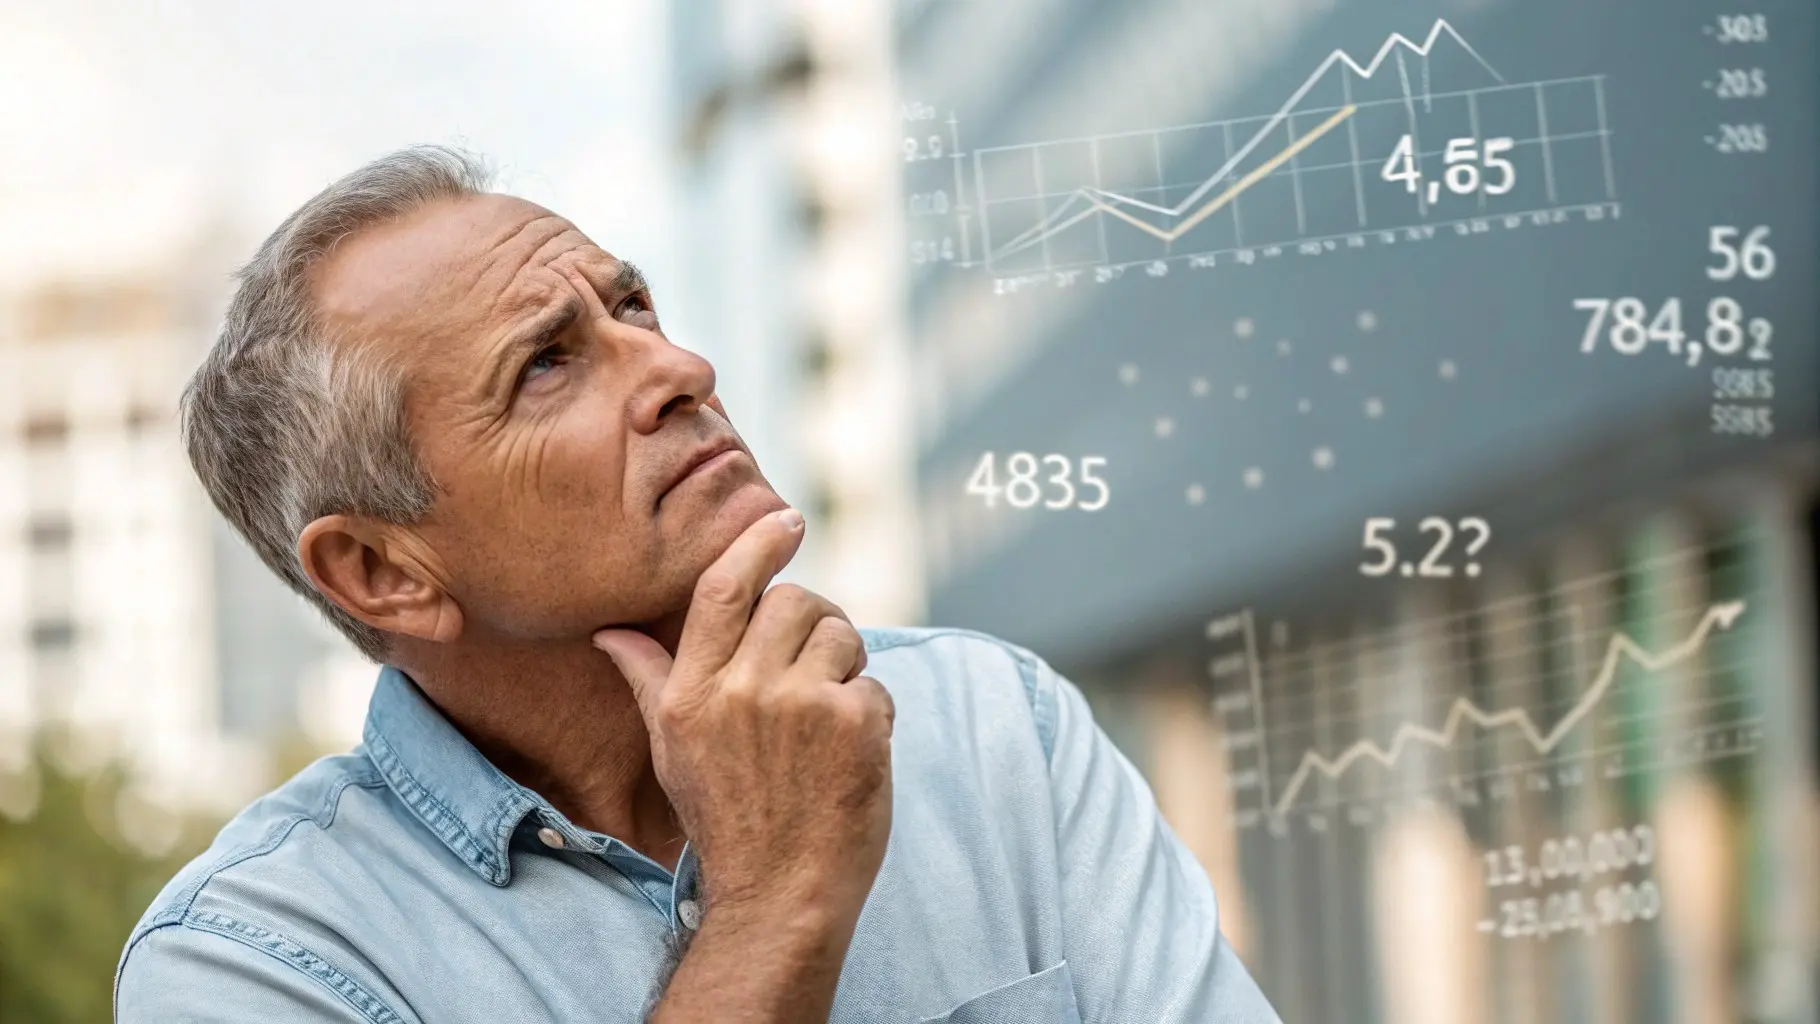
x: 284, y: 424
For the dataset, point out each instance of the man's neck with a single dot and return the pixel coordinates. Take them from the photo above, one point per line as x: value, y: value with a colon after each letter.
x: 559, y: 720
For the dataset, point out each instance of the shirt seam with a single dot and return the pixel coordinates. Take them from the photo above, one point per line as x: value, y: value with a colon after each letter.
x: 295, y: 955
x: 179, y: 909
x: 274, y: 838
x: 1028, y: 666
x: 415, y: 795
x: 914, y: 636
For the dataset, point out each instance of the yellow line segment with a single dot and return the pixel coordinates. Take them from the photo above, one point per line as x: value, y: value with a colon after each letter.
x: 1215, y: 204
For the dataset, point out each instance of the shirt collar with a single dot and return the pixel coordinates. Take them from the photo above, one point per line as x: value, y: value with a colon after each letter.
x: 454, y: 790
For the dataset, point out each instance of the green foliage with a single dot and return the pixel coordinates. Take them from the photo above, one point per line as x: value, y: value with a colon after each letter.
x: 70, y: 891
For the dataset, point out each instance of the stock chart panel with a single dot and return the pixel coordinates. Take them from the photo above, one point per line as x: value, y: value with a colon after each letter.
x: 1431, y: 389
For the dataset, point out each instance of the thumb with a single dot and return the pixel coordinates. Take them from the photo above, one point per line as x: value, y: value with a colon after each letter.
x: 642, y: 660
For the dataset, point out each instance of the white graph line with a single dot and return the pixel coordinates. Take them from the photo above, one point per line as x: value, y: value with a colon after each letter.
x: 1720, y: 616
x: 1395, y: 44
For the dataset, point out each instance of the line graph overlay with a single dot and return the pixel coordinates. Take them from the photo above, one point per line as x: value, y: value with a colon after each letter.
x: 1635, y: 667
x: 1560, y: 125
x: 1230, y: 194
x: 1720, y: 616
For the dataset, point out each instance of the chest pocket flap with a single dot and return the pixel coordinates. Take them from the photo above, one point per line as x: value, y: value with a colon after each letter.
x: 1046, y: 997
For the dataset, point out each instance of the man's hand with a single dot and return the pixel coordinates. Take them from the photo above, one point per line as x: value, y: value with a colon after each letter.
x: 774, y: 750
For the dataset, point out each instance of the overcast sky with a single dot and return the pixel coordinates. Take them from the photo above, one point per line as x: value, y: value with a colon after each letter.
x: 125, y: 124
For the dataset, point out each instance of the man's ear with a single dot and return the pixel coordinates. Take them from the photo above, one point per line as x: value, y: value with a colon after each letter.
x: 380, y: 574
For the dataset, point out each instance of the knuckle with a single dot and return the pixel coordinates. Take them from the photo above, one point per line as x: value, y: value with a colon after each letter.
x: 741, y: 686
x: 789, y: 601
x: 801, y: 700
x: 673, y: 711
x: 719, y: 587
x: 851, y: 715
x: 836, y: 636
x: 789, y: 594
x: 878, y: 698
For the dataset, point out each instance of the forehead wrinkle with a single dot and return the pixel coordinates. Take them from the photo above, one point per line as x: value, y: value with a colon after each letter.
x: 512, y: 254
x: 532, y: 281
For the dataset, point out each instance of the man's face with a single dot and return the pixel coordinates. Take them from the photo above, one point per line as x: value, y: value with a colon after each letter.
x: 566, y: 435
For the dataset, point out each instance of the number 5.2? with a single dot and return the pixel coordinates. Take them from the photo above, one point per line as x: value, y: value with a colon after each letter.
x: 1432, y: 565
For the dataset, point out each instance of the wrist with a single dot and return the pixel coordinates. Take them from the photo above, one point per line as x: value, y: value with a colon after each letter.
x: 814, y: 896
x: 760, y: 960
x: 809, y: 918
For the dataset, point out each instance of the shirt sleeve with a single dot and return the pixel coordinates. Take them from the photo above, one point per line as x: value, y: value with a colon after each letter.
x: 1140, y: 922
x: 177, y: 973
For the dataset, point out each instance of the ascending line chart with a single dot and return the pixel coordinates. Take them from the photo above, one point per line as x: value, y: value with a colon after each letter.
x: 1523, y: 686
x: 1423, y: 135
x: 1515, y: 719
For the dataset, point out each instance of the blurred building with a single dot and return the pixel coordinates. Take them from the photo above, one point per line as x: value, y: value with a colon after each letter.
x: 134, y: 627
x: 786, y: 208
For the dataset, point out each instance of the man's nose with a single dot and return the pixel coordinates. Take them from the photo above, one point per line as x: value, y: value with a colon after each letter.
x: 675, y: 380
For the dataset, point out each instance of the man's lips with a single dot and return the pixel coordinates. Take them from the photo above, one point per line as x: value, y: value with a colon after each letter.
x: 705, y: 458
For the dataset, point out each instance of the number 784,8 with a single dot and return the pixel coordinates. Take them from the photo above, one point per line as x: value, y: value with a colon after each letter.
x: 1632, y: 328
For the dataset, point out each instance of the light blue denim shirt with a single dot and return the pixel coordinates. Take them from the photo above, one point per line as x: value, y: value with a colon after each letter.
x: 1029, y: 877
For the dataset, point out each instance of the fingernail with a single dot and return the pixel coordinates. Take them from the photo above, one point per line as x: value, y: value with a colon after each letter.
x: 791, y: 518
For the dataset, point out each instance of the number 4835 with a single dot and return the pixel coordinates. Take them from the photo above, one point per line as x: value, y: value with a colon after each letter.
x: 1023, y: 488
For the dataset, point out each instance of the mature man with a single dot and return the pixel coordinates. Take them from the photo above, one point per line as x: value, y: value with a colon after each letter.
x: 607, y: 774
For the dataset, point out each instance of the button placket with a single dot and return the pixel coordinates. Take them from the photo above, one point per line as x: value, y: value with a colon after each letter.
x: 683, y: 889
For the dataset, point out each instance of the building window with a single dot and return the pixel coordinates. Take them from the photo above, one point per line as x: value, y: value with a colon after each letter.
x: 140, y: 419
x: 46, y: 429
x: 50, y: 533
x: 69, y: 309
x: 53, y: 635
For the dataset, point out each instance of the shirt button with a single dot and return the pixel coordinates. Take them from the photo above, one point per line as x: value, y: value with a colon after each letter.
x: 550, y: 837
x: 689, y: 912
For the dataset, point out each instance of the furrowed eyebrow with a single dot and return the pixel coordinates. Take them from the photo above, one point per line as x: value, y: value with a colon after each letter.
x: 630, y: 280
x: 547, y: 326
x: 550, y: 323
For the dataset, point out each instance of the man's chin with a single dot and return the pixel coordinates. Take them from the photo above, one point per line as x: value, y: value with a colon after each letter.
x: 712, y: 530
x: 748, y: 505
x: 699, y: 539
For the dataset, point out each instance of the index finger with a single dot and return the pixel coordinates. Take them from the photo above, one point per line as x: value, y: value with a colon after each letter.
x: 724, y: 596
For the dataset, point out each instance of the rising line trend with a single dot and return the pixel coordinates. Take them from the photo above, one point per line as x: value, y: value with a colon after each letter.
x: 1100, y: 197
x: 1719, y: 615
x: 1258, y: 174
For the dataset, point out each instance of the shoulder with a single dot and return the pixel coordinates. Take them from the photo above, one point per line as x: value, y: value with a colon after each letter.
x: 247, y: 888
x: 991, y: 683
x: 310, y: 802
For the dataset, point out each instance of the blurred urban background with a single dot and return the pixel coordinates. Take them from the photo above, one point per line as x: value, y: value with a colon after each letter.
x: 747, y: 155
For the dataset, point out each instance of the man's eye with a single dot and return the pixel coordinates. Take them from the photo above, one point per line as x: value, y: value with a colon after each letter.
x: 544, y: 361
x: 633, y: 306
